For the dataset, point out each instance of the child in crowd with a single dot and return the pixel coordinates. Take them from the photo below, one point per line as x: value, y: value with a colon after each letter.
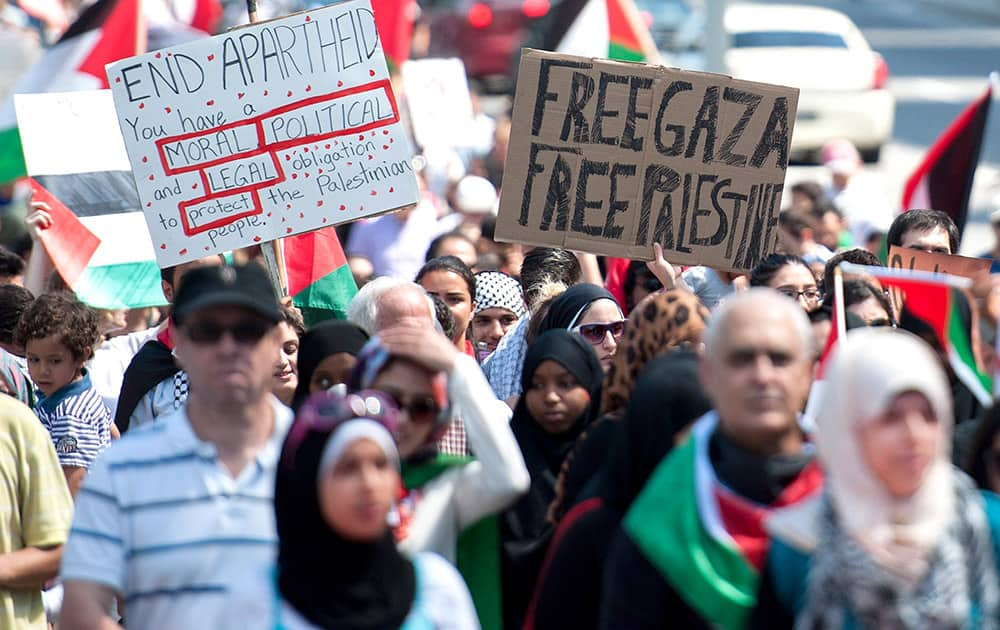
x: 58, y: 334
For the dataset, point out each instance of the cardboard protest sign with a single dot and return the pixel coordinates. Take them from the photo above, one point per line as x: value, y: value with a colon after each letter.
x: 953, y: 265
x: 437, y: 94
x: 608, y: 157
x: 270, y: 130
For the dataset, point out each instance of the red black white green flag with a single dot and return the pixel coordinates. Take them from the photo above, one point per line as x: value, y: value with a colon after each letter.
x: 943, y: 180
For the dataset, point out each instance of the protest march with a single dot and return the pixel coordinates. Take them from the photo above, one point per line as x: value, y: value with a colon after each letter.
x: 386, y: 314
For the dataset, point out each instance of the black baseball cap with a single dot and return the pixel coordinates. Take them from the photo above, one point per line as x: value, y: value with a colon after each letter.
x: 229, y: 285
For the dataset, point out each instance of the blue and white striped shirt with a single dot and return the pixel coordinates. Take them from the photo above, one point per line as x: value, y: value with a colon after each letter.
x: 77, y: 420
x: 160, y: 520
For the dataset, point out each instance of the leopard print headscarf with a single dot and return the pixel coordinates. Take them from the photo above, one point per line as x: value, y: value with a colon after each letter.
x: 658, y: 323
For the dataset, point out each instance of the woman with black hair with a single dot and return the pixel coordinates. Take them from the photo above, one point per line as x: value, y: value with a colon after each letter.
x: 790, y: 276
x: 451, y: 280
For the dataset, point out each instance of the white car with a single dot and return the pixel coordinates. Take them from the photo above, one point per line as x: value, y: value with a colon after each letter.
x: 821, y: 52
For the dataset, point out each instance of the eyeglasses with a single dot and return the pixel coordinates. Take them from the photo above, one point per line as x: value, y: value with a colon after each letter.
x: 324, y: 411
x: 421, y: 409
x: 811, y: 294
x: 247, y: 331
x: 595, y: 333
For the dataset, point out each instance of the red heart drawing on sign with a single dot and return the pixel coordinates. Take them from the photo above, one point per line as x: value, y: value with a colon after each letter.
x: 392, y: 189
x: 319, y: 204
x: 142, y: 105
x: 340, y: 84
x: 308, y: 19
x: 385, y: 132
x: 343, y: 207
x: 167, y: 109
x: 371, y: 73
x: 240, y: 95
x: 163, y: 245
x: 183, y: 251
x: 158, y: 55
x: 324, y: 219
x: 256, y: 239
x: 118, y: 79
x: 150, y: 178
x: 295, y: 176
x: 149, y: 204
x: 302, y: 215
x: 385, y: 146
x: 211, y: 57
x: 210, y: 103
x: 265, y: 92
x: 309, y: 88
x: 373, y: 193
x: 144, y: 159
x: 326, y: 146
x: 288, y: 230
x: 194, y: 186
x: 289, y: 93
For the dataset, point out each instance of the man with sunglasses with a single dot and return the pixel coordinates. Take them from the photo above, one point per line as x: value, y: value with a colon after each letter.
x: 171, y: 517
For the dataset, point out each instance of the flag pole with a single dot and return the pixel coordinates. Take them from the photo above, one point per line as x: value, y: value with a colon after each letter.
x: 838, y: 302
x: 273, y: 251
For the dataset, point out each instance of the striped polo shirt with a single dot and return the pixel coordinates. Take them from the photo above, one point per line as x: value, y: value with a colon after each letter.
x: 77, y: 420
x: 160, y: 520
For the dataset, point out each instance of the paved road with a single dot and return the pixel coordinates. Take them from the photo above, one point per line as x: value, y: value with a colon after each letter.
x: 939, y: 59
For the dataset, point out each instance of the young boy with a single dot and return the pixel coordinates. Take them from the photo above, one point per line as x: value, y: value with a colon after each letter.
x: 58, y: 334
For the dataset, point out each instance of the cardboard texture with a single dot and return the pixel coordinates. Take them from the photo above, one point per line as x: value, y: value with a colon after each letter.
x: 905, y: 258
x: 268, y: 130
x: 607, y: 157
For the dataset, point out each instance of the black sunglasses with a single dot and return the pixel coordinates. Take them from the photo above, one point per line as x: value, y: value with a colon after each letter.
x: 421, y: 409
x: 247, y: 331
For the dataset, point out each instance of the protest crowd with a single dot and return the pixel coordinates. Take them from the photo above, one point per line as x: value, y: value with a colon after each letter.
x: 489, y: 434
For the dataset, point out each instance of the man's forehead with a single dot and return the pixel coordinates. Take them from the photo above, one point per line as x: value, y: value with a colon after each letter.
x: 935, y: 235
x: 221, y: 312
x: 760, y: 330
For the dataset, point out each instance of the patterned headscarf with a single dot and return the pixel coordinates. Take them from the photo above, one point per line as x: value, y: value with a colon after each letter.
x: 495, y: 289
x: 658, y: 323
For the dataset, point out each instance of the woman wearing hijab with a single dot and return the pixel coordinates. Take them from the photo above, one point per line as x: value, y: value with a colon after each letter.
x: 445, y: 496
x: 327, y: 354
x: 899, y: 538
x: 561, y: 381
x: 667, y: 398
x: 657, y: 325
x: 338, y: 565
x: 591, y: 312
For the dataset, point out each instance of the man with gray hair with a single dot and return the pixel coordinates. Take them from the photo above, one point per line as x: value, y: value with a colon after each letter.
x: 693, y: 543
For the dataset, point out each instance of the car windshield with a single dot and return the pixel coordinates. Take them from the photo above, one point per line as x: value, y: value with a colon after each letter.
x: 782, y: 39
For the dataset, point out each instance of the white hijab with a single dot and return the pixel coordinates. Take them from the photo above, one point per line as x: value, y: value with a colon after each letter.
x: 868, y: 370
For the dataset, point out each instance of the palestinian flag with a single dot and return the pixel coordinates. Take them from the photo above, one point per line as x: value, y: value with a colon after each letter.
x: 935, y: 301
x: 394, y: 22
x: 103, y: 207
x: 107, y: 31
x: 943, y: 180
x: 607, y: 29
x: 319, y: 280
x: 99, y: 241
x: 681, y: 522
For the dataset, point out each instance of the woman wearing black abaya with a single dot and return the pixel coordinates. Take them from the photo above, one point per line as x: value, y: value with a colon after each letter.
x: 561, y: 381
x: 666, y: 399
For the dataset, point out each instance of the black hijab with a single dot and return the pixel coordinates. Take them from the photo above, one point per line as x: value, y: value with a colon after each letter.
x: 543, y: 450
x: 567, y: 309
x: 332, y: 582
x: 319, y: 342
x: 668, y: 397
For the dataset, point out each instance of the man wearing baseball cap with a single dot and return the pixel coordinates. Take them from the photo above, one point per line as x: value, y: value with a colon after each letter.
x: 169, y: 518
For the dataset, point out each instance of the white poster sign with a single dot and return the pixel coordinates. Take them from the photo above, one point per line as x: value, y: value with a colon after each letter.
x: 437, y: 95
x: 270, y: 130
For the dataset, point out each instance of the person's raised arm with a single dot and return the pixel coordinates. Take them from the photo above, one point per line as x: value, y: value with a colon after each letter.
x: 668, y: 275
x: 36, y: 276
x: 499, y: 475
